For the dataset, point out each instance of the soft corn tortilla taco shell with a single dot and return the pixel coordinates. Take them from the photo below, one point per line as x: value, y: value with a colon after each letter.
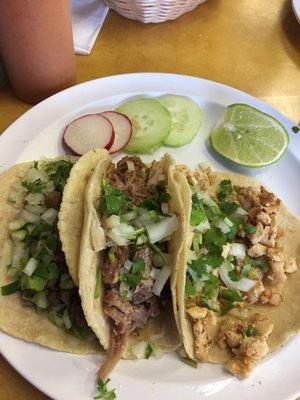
x: 15, y: 318
x: 285, y: 317
x: 72, y: 207
x: 162, y: 331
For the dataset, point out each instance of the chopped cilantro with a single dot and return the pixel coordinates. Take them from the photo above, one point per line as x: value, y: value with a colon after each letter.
x: 164, y: 197
x: 214, y: 261
x: 103, y: 392
x: 154, y: 215
x: 250, y: 331
x: 210, y: 292
x: 34, y: 187
x: 134, y: 276
x: 233, y: 275
x: 261, y: 262
x: 214, y: 237
x: 149, y: 351
x: 111, y: 256
x: 236, y: 223
x: 150, y: 204
x: 228, y: 207
x: 232, y: 295
x: 197, y: 216
x: 225, y: 189
x: 10, y: 288
x: 113, y: 201
x: 190, y: 288
x: 249, y: 229
x: 59, y: 172
x: 197, y: 241
x: 226, y: 309
x: 295, y: 129
x: 246, y: 269
x: 200, y: 268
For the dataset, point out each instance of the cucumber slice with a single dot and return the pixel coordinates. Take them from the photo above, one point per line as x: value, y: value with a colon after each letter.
x: 151, y: 124
x: 186, y: 118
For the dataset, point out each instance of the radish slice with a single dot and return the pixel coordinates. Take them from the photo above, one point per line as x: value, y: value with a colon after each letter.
x: 122, y: 128
x: 89, y: 132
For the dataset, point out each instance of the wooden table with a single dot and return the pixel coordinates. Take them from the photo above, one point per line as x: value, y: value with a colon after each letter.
x: 251, y: 45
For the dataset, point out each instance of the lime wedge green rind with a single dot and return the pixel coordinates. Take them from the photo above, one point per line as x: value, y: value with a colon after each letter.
x: 249, y: 137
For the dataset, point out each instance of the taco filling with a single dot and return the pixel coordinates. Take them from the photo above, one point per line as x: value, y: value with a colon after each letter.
x: 234, y: 260
x: 37, y: 267
x: 137, y: 225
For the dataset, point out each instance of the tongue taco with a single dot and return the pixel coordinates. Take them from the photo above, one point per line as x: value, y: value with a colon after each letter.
x: 39, y: 301
x: 238, y: 283
x: 131, y: 240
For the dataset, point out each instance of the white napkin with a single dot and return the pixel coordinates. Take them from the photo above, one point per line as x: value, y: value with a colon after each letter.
x: 87, y: 19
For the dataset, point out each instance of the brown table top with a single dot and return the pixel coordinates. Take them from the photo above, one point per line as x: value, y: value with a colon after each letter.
x: 250, y: 45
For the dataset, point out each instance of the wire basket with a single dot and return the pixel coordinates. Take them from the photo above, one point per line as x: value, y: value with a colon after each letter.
x: 153, y: 10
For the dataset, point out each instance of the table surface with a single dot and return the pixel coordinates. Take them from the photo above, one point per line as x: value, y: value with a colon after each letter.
x: 250, y: 45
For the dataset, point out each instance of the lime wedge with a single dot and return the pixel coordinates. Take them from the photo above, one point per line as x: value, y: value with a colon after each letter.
x: 249, y: 137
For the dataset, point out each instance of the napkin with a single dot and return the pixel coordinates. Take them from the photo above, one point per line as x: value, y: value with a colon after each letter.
x: 87, y: 19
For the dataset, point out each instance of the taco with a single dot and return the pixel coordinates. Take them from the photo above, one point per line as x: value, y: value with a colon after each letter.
x: 39, y: 301
x: 238, y: 282
x: 132, y: 235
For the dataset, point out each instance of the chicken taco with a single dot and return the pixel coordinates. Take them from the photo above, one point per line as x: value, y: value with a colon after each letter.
x: 131, y: 241
x: 39, y: 300
x: 238, y: 282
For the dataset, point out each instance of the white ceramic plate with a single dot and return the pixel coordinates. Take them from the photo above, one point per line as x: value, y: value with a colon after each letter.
x: 296, y: 8
x: 63, y: 376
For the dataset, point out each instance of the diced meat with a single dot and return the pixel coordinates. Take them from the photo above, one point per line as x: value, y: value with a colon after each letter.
x: 145, y: 254
x: 263, y: 217
x: 253, y: 294
x: 204, y: 177
x: 270, y: 297
x: 125, y: 316
x: 155, y: 306
x: 53, y: 200
x: 290, y: 265
x: 257, y: 250
x: 76, y: 313
x: 138, y: 182
x: 270, y: 233
x: 203, y: 333
x: 247, y: 351
x: 257, y: 236
x: 143, y: 292
x: 156, y: 177
x: 276, y: 264
x: 110, y: 269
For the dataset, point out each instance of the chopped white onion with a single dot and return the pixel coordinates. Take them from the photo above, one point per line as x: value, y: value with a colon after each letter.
x: 16, y: 224
x: 223, y: 226
x: 139, y: 349
x: 127, y: 265
x: 19, y: 235
x: 141, y: 239
x: 243, y: 284
x: 206, y: 198
x: 238, y: 250
x: 125, y: 230
x: 191, y: 256
x: 116, y: 237
x: 165, y: 227
x: 130, y: 215
x: 225, y: 250
x: 130, y: 165
x: 161, y: 280
x: 240, y: 211
x: 97, y: 233
x: 112, y: 221
x: 34, y: 198
x: 203, y: 227
x: 35, y: 209
x: 49, y: 215
x: 34, y: 174
x: 29, y: 217
x: 19, y: 251
x: 31, y: 266
x: 165, y: 208
x: 154, y: 272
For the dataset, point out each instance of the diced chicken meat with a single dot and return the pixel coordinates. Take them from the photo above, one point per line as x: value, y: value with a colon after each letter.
x: 276, y: 264
x: 253, y: 294
x: 270, y: 297
x: 290, y: 265
x: 257, y: 250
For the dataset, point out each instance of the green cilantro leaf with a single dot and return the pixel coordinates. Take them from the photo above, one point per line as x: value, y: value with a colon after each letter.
x: 232, y: 295
x: 149, y: 351
x: 214, y: 237
x: 103, y: 392
x: 190, y: 288
x: 249, y: 229
x: 246, y: 269
x: 34, y: 187
x: 295, y: 129
x: 134, y: 276
x: 210, y: 292
x: 197, y: 216
x: 250, y: 331
x: 233, y: 276
x: 10, y: 288
x: 225, y: 189
x: 228, y: 207
x: 113, y: 201
x: 59, y: 172
x: 261, y: 262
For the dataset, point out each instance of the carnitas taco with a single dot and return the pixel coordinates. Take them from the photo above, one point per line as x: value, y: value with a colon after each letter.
x: 39, y: 300
x: 132, y: 236
x: 238, y: 282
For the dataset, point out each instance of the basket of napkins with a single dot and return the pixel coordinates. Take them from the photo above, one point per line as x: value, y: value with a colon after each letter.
x: 153, y: 10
